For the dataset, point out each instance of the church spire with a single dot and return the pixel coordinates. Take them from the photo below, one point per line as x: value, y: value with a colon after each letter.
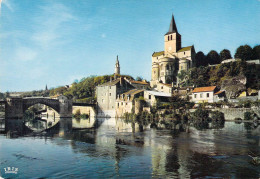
x: 172, y: 28
x: 117, y: 66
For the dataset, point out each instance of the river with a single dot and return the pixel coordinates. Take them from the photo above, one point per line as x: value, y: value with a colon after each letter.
x: 112, y: 148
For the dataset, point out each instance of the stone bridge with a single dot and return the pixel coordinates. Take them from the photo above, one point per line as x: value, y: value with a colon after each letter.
x: 16, y: 106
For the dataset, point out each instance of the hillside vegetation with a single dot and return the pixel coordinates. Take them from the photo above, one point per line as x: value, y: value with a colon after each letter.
x: 215, y: 75
x: 84, y: 91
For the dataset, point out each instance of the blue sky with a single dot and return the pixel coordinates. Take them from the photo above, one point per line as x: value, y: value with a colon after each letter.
x: 55, y: 42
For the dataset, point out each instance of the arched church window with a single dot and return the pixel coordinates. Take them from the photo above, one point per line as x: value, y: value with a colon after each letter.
x: 168, y: 38
x: 171, y: 37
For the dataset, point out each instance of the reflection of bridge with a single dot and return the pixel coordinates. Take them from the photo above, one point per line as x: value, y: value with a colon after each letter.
x: 15, y: 107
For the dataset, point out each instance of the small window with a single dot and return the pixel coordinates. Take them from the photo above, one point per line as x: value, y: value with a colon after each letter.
x: 168, y: 38
x: 150, y: 96
x: 207, y: 95
x: 109, y: 94
x: 125, y: 103
x: 161, y: 87
x: 201, y: 95
x: 117, y: 104
x: 171, y: 37
x: 184, y: 53
x: 195, y: 95
x: 121, y: 103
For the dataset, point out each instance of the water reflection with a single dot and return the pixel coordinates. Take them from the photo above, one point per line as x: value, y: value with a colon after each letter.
x: 115, y: 148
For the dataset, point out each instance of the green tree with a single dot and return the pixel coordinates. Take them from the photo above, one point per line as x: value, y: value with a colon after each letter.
x: 244, y: 52
x: 200, y: 59
x: 256, y: 52
x: 139, y: 78
x: 225, y: 54
x: 213, y: 57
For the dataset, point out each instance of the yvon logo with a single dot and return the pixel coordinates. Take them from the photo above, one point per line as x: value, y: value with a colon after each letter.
x: 9, y: 170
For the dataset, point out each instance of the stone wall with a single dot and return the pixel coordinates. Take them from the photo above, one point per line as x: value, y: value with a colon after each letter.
x: 232, y: 113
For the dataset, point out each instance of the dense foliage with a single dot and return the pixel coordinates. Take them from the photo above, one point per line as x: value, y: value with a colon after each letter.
x: 215, y: 75
x: 244, y: 52
x: 83, y: 91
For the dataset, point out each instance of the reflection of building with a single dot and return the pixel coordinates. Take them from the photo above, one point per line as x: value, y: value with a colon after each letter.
x: 166, y: 64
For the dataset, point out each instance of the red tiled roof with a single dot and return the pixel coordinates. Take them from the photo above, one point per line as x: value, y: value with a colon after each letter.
x: 140, y: 82
x: 204, y: 89
x: 219, y: 92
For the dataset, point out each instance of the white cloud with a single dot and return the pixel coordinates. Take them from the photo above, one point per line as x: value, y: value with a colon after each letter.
x: 103, y: 36
x: 25, y: 54
x: 51, y: 31
x: 7, y: 4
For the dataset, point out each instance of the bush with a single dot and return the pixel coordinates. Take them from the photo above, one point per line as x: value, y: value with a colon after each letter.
x: 84, y: 116
x: 49, y: 124
x: 248, y: 116
x: 200, y: 114
x: 77, y: 114
x: 217, y: 116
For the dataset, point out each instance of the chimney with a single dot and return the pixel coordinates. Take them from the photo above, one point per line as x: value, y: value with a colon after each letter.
x: 121, y: 79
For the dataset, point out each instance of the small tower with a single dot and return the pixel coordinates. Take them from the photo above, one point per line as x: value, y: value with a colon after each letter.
x: 46, y: 88
x: 172, y: 39
x: 117, y: 67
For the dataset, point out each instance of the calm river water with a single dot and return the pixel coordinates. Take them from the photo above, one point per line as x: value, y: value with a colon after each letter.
x: 111, y: 148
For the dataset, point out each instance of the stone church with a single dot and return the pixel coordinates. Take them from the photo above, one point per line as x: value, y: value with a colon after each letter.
x: 175, y: 58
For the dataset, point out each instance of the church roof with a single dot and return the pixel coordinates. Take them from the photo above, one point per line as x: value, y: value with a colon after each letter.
x: 185, y: 49
x: 172, y: 28
x: 156, y: 54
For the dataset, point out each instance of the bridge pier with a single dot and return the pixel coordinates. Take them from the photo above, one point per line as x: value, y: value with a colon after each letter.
x: 14, y: 108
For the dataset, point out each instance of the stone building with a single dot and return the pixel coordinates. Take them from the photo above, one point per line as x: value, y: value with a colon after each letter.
x: 126, y: 102
x: 151, y: 97
x: 166, y: 64
x: 107, y: 94
x: 165, y: 88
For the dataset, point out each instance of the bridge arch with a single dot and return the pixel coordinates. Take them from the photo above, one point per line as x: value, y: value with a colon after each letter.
x: 15, y: 107
x: 53, y: 103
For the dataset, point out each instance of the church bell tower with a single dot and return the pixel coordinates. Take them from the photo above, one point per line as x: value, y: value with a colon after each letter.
x: 172, y: 39
x: 117, y: 67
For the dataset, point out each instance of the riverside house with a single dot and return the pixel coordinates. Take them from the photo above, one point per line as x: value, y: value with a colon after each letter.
x: 208, y: 94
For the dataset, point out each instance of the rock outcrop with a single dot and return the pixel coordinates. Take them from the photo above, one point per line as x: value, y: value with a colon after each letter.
x: 234, y: 86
